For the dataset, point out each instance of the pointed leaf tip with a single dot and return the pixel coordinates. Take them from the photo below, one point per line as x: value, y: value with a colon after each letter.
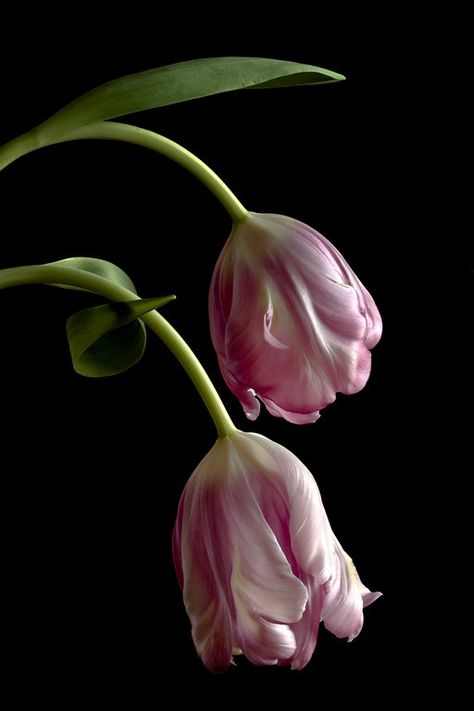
x: 109, y: 339
x: 175, y: 83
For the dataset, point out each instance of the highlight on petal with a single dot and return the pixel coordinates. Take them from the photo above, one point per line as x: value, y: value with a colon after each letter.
x: 319, y: 321
x: 246, y: 396
x: 263, y: 641
x: 308, y: 526
x: 267, y: 333
x: 304, y: 418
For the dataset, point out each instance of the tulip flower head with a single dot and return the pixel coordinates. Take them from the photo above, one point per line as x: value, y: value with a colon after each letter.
x: 290, y: 321
x: 257, y: 560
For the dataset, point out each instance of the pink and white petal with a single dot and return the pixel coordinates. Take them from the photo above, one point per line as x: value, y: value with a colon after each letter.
x: 262, y: 582
x: 306, y: 630
x: 268, y: 336
x: 297, y: 418
x: 208, y: 610
x: 369, y: 597
x: 212, y: 634
x: 286, y: 381
x: 310, y: 533
x: 264, y: 642
x: 262, y: 578
x: 246, y: 395
x: 308, y: 526
x: 203, y: 566
x: 267, y: 594
x: 342, y: 608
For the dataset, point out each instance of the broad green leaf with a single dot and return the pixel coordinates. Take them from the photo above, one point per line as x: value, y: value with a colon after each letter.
x: 175, y: 83
x: 100, y: 267
x: 108, y: 339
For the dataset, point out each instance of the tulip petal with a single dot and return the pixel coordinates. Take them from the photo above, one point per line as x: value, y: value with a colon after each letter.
x: 246, y: 395
x: 344, y: 593
x: 264, y: 642
x: 295, y: 417
x: 266, y: 585
x: 309, y: 530
x: 369, y: 597
x: 267, y: 594
x: 202, y: 566
x: 267, y: 333
x: 239, y: 588
x: 306, y: 630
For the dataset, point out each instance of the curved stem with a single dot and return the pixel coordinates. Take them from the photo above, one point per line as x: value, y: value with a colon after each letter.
x: 45, y: 274
x: 110, y: 130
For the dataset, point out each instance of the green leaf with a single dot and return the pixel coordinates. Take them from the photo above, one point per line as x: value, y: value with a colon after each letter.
x: 175, y: 83
x: 108, y: 339
x: 100, y: 267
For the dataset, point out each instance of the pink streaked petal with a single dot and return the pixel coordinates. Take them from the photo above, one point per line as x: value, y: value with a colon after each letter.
x: 267, y: 595
x: 202, y: 566
x: 306, y: 630
x: 369, y: 597
x: 212, y: 635
x: 358, y: 372
x: 264, y: 642
x: 266, y: 584
x: 268, y: 335
x: 262, y: 578
x: 374, y: 320
x: 342, y: 609
x: 298, y: 418
x: 239, y: 588
x: 308, y: 525
x: 247, y: 397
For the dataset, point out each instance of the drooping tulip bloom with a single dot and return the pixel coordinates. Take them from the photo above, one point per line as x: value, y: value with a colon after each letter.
x: 257, y: 560
x: 290, y: 321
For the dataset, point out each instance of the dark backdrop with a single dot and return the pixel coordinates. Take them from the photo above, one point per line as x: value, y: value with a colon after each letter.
x: 93, y: 469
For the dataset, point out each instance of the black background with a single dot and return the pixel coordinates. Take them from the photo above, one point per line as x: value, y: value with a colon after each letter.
x: 93, y: 469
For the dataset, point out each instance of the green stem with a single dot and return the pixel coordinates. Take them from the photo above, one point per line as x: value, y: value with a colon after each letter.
x: 45, y: 274
x: 110, y: 130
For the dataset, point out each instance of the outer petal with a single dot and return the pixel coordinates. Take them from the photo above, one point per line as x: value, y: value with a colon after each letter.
x: 345, y: 597
x: 294, y: 510
x: 203, y: 569
x: 294, y: 417
x: 239, y: 588
x: 308, y: 530
x: 267, y: 595
x: 306, y: 630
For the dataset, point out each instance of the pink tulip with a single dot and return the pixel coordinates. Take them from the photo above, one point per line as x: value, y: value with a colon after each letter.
x: 290, y: 321
x: 257, y: 560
